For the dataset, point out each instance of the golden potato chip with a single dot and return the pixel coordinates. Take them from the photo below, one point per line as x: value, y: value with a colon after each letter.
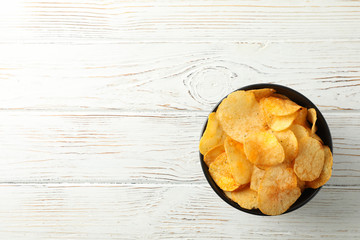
x: 239, y: 114
x: 263, y: 149
x: 310, y: 160
x: 261, y: 93
x: 299, y: 131
x: 245, y: 197
x: 325, y: 172
x: 228, y: 194
x: 288, y: 141
x: 279, y: 123
x: 256, y: 177
x: 240, y: 167
x: 273, y: 202
x: 317, y: 138
x: 213, y: 153
x: 281, y: 176
x: 301, y: 184
x: 301, y: 117
x: 277, y: 95
x: 312, y: 117
x: 212, y: 136
x: 278, y: 190
x: 221, y: 173
x: 278, y: 106
x: 287, y: 164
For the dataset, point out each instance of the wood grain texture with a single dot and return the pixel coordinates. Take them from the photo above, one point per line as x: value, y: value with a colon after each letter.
x: 164, y: 212
x: 102, y: 104
x: 131, y: 147
x: 173, y: 76
x: 55, y: 21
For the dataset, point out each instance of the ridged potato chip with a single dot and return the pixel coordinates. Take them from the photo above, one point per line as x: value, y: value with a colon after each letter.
x: 261, y: 93
x: 312, y: 117
x: 213, y: 153
x: 278, y: 190
x: 245, y: 197
x: 278, y: 106
x: 239, y: 114
x: 212, y: 136
x: 241, y: 168
x: 221, y: 173
x: 325, y: 172
x: 263, y: 149
x: 310, y: 160
x: 256, y: 178
x: 279, y: 123
x: 289, y: 142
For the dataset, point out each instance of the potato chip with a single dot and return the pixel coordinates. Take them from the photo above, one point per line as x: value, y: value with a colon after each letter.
x: 301, y: 184
x: 310, y: 160
x: 212, y: 136
x: 325, y: 172
x: 299, y: 131
x: 228, y: 194
x: 263, y: 149
x: 239, y: 114
x: 245, y: 197
x: 278, y: 190
x: 301, y: 117
x: 241, y: 168
x: 278, y: 106
x: 315, y: 136
x: 279, y: 123
x: 221, y: 173
x: 312, y: 117
x: 261, y: 93
x: 273, y: 202
x: 277, y: 95
x: 288, y: 141
x: 256, y: 177
x: 213, y: 153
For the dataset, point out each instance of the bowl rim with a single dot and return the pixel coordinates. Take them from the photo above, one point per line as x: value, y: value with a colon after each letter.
x: 310, y: 193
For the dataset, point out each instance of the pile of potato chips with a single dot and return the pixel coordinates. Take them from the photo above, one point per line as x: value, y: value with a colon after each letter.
x: 262, y: 150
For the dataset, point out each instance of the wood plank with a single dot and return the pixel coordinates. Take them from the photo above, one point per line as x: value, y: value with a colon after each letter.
x: 164, y: 212
x: 173, y: 76
x: 130, y: 147
x: 54, y: 21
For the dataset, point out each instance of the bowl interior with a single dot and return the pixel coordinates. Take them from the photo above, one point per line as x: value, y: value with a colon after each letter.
x: 323, y: 132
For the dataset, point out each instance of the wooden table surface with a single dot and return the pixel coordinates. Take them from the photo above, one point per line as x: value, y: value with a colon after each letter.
x: 102, y: 104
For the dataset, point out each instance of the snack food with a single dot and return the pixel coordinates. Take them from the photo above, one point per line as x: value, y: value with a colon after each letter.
x: 262, y: 150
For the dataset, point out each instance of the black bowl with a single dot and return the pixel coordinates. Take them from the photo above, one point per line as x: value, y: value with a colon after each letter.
x: 323, y: 132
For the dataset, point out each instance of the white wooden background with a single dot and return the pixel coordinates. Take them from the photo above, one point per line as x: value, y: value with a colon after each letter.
x: 102, y: 104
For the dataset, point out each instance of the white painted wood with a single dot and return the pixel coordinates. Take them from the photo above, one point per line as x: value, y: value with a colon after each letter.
x: 58, y: 21
x: 173, y: 76
x: 102, y: 104
x: 138, y: 147
x: 164, y: 212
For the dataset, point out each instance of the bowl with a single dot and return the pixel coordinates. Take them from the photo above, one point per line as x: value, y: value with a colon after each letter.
x: 323, y: 132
